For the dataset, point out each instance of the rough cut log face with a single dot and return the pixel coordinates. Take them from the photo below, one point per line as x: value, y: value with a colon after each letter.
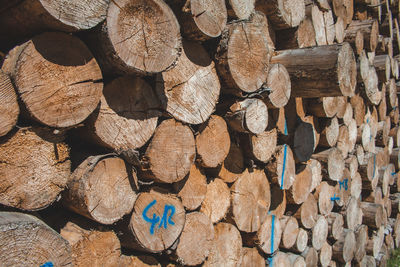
x: 242, y: 9
x: 144, y: 34
x: 9, y: 109
x: 26, y: 240
x: 252, y: 258
x: 196, y: 240
x: 251, y: 198
x: 57, y: 78
x: 128, y: 114
x: 33, y: 171
x: 264, y: 235
x: 170, y: 153
x: 217, y: 200
x: 245, y: 40
x: 227, y: 246
x: 192, y: 87
x: 157, y: 220
x: 283, y: 13
x: 194, y: 190
x: 335, y: 63
x: 263, y: 145
x: 210, y: 16
x: 100, y: 189
x: 279, y: 82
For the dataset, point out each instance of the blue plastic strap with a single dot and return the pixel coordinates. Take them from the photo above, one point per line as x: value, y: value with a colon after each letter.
x: 284, y: 164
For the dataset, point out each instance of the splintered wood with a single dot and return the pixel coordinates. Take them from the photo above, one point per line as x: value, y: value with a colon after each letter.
x: 199, y: 133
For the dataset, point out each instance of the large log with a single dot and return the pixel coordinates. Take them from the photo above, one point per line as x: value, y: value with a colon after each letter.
x: 137, y: 37
x: 320, y: 71
x: 256, y: 185
x: 192, y: 87
x: 156, y: 222
x: 56, y: 77
x: 34, y: 168
x: 127, y: 116
x: 283, y: 14
x: 9, y: 110
x: 26, y: 240
x: 100, y: 189
x: 170, y: 154
x: 22, y: 19
x: 244, y: 39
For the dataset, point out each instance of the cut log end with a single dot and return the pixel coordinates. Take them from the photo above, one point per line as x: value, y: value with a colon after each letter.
x: 278, y: 82
x: 9, y: 110
x: 347, y: 70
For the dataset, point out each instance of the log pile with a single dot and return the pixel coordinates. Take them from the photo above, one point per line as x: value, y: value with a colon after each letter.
x: 199, y: 132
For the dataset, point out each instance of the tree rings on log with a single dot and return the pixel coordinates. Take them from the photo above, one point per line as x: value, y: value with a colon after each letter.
x: 192, y: 87
x: 56, y: 77
x: 194, y: 189
x: 26, y: 240
x: 9, y: 109
x: 217, y: 200
x: 170, y: 154
x: 283, y: 14
x: 278, y: 83
x: 34, y: 169
x: 157, y: 220
x: 249, y: 191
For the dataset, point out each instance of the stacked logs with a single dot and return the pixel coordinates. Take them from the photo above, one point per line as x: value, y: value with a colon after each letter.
x: 214, y: 133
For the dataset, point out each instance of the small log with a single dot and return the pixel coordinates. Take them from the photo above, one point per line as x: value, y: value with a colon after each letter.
x: 92, y: 247
x: 240, y: 9
x: 233, y: 165
x: 213, y: 142
x: 248, y: 116
x: 308, y: 212
x: 244, y: 39
x: 357, y: 102
x: 22, y: 19
x: 66, y: 72
x: 279, y: 85
x: 9, y: 110
x: 343, y: 249
x: 311, y: 256
x: 330, y: 29
x: 217, y: 200
x: 256, y: 184
x: 342, y: 104
x: 316, y: 172
x: 196, y: 240
x: 323, y: 107
x: 375, y: 243
x: 371, y: 90
x: 92, y: 189
x: 382, y: 108
x: 252, y: 258
x: 343, y: 9
x: 278, y: 201
x: 269, y: 235
x: 192, y: 87
x: 361, y: 241
x: 302, y: 36
x: 296, y: 260
x: 304, y: 141
x: 395, y: 133
x: 227, y: 246
x: 368, y: 261
x: 326, y: 198
x: 142, y: 261
x: 156, y: 222
x: 262, y: 146
x: 335, y: 225
x: 325, y: 255
x: 281, y: 168
x: 340, y: 27
x: 34, y: 169
x: 121, y: 123
x: 333, y: 161
x: 383, y: 67
x: 170, y: 154
x: 353, y: 214
x: 283, y: 14
x: 290, y: 232
x: 318, y: 20
x: 372, y: 214
x: 367, y: 30
x: 305, y: 68
x: 194, y: 189
x: 300, y: 189
x: 280, y: 259
x: 356, y: 185
x: 319, y: 233
x: 127, y: 44
x: 391, y: 92
x: 343, y: 141
x: 301, y: 241
x: 26, y: 240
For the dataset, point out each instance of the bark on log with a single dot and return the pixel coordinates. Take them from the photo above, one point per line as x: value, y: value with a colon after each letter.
x: 306, y: 67
x: 213, y: 142
x: 363, y: 34
x: 245, y: 40
x: 217, y: 201
x: 156, y: 222
x: 383, y: 67
x: 227, y: 247
x: 248, y: 116
x: 278, y: 201
x: 34, y: 169
x: 66, y: 72
x: 283, y: 14
x: 192, y: 87
x: 26, y: 239
x: 170, y: 154
x: 281, y: 168
x: 22, y: 19
x: 300, y: 37
x: 139, y: 37
x: 9, y: 110
x: 100, y: 189
x: 196, y: 240
x: 372, y: 214
x: 255, y: 184
x: 127, y: 116
x: 305, y: 141
x: 323, y: 107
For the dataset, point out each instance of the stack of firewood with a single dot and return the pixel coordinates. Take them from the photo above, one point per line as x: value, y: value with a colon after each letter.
x: 199, y: 132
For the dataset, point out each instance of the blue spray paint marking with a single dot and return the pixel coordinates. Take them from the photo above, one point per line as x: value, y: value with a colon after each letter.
x: 272, y: 240
x: 47, y: 264
x: 165, y: 220
x: 285, y: 130
x: 368, y: 120
x: 284, y: 164
x: 373, y: 175
x: 344, y: 184
x: 393, y: 173
x: 335, y: 197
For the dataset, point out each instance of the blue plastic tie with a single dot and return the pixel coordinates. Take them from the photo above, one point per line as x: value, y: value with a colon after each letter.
x: 284, y: 164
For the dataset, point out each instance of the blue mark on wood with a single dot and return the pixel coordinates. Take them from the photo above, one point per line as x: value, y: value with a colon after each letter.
x: 284, y: 164
x: 165, y: 220
x: 47, y: 264
x: 285, y: 131
x: 393, y: 173
x: 344, y: 184
x: 335, y: 197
